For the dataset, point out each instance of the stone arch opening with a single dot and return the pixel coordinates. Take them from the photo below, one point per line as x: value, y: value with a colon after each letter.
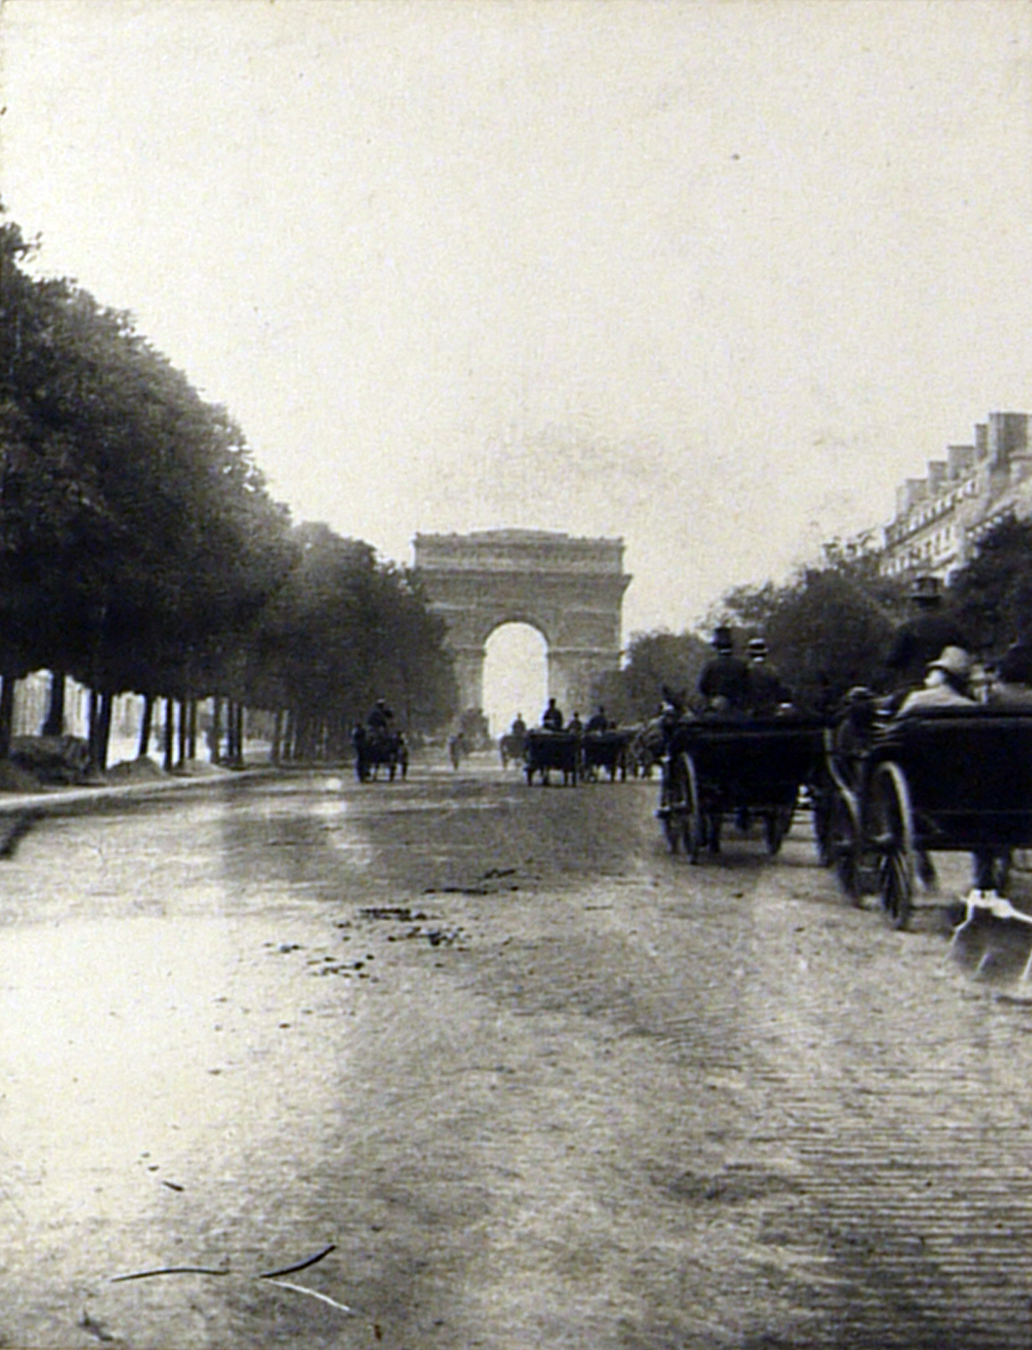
x: 570, y: 589
x: 515, y: 676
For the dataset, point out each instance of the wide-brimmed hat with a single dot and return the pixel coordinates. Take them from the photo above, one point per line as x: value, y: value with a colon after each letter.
x: 757, y: 646
x: 954, y: 661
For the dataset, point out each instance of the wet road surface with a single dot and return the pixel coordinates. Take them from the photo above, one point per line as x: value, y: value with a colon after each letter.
x: 536, y: 1081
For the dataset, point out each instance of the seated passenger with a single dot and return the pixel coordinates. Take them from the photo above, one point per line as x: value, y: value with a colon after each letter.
x: 724, y: 679
x: 598, y: 720
x: 575, y: 724
x: 765, y: 690
x: 1012, y: 684
x: 519, y: 727
x: 947, y: 684
x: 380, y: 717
x: 552, y: 718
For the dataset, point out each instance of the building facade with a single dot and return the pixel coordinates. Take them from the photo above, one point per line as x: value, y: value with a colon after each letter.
x: 941, y: 518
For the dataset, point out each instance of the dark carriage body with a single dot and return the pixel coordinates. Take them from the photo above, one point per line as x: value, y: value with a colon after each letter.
x: 545, y: 752
x: 968, y: 773
x: 608, y: 751
x: 751, y: 764
x: 755, y: 767
x: 950, y: 779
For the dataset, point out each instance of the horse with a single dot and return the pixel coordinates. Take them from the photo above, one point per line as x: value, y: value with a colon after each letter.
x: 606, y: 750
x: 510, y: 747
x: 374, y: 747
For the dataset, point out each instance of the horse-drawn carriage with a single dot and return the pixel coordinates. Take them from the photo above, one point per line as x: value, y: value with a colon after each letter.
x: 375, y: 749
x: 746, y: 769
x: 606, y: 752
x: 949, y: 779
x: 545, y: 751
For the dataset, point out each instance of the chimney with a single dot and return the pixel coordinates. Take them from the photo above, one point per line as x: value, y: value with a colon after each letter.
x: 936, y: 476
x: 1008, y: 435
x: 959, y: 459
x: 913, y: 490
x: 981, y: 440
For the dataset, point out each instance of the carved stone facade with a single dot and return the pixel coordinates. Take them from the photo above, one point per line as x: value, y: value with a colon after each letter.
x: 570, y: 590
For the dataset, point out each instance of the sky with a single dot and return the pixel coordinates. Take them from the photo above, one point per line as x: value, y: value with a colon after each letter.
x: 710, y: 277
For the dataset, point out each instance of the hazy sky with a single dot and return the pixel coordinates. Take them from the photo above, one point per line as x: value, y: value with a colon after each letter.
x: 710, y: 276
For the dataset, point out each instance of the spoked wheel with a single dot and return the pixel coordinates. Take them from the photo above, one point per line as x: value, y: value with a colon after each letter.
x: 673, y: 800
x: 893, y: 834
x: 844, y: 846
x: 695, y: 825
x: 776, y: 825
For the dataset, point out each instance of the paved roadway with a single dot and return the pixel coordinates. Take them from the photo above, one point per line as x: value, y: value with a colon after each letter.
x: 539, y: 1083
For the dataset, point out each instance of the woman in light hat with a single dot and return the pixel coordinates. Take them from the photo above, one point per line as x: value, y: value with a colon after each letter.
x: 947, y: 683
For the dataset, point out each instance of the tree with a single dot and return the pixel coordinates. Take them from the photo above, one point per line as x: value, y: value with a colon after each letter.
x: 342, y: 631
x: 827, y: 629
x: 992, y: 594
x: 654, y: 659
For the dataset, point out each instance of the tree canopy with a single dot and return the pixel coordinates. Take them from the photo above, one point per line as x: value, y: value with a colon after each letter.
x: 140, y: 550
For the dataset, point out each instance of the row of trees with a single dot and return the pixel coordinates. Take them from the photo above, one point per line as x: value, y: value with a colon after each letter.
x: 830, y: 627
x: 140, y: 550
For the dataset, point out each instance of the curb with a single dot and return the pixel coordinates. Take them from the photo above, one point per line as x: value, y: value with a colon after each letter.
x: 80, y: 800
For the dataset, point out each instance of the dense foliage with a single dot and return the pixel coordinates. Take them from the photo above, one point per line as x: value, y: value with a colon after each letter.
x: 992, y: 594
x: 828, y: 628
x: 140, y: 551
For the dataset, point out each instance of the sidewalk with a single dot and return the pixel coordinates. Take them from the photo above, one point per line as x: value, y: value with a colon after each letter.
x: 79, y: 798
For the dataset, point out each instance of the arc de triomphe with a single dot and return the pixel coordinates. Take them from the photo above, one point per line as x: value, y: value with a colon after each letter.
x: 570, y: 590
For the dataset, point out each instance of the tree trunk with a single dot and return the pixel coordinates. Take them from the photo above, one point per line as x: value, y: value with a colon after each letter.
x: 182, y: 731
x: 169, y: 733
x: 215, y: 735
x: 93, y: 733
x: 107, y: 703
x: 239, y: 759
x: 7, y: 686
x: 277, y: 735
x: 191, y: 735
x: 146, y: 719
x: 54, y: 724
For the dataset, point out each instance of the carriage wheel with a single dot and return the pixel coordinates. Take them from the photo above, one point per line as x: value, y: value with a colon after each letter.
x: 695, y: 826
x: 843, y: 847
x: 823, y: 799
x: 893, y: 831
x: 673, y: 800
x: 776, y: 825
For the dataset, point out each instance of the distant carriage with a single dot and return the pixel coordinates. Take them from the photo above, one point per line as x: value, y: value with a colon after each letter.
x: 545, y: 752
x: 375, y: 749
x: 606, y: 752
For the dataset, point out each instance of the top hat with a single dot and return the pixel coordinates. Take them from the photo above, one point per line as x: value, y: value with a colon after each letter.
x: 722, y: 638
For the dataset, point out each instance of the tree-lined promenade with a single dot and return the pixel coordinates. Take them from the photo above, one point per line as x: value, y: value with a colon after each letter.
x: 141, y: 552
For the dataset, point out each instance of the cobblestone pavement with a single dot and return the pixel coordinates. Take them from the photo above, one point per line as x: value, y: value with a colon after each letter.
x: 538, y: 1082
